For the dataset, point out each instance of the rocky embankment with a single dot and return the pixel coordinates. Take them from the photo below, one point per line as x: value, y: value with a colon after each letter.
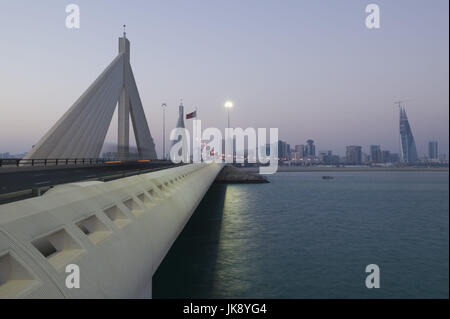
x: 233, y: 175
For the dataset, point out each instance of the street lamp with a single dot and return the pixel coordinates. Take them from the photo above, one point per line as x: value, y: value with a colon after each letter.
x: 229, y: 106
x: 164, y: 130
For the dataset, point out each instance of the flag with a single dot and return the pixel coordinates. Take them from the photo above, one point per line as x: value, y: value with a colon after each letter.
x: 191, y: 115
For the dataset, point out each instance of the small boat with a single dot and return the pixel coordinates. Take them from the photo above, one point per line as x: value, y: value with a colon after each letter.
x: 327, y: 177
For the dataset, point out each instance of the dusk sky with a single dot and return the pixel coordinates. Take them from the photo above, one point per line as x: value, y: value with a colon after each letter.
x: 310, y: 68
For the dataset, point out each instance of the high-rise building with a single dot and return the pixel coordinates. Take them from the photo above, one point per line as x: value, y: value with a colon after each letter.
x: 300, y: 150
x: 395, y: 158
x: 297, y: 156
x: 323, y: 155
x: 353, y: 154
x: 365, y: 158
x: 375, y: 153
x: 310, y: 149
x: 327, y: 157
x: 386, y: 157
x: 433, y: 150
x: 283, y: 150
x: 408, y: 149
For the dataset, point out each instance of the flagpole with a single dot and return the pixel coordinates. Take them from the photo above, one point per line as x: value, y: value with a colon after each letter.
x: 164, y: 130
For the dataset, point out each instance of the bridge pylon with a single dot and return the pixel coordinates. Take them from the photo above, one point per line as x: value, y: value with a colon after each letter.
x: 81, y: 131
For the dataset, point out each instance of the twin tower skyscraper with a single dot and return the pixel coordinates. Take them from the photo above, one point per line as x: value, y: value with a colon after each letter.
x: 408, y: 150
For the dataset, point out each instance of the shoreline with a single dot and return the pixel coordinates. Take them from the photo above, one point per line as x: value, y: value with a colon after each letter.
x: 287, y: 169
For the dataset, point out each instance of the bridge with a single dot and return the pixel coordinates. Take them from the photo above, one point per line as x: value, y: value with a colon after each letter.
x: 28, y: 181
x: 62, y: 206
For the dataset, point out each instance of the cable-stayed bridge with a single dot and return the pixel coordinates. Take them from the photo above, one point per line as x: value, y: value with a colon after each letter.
x: 114, y: 228
x: 81, y: 131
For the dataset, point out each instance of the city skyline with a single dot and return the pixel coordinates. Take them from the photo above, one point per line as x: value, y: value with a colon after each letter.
x: 224, y: 150
x: 366, y: 149
x: 293, y: 146
x: 338, y: 91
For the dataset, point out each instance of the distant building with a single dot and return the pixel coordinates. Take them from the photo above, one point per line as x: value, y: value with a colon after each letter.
x: 365, y: 158
x: 283, y: 150
x: 375, y: 153
x: 310, y: 149
x: 408, y: 152
x: 9, y: 155
x: 335, y: 159
x: 233, y: 146
x: 395, y: 158
x: 266, y: 150
x: 353, y: 155
x: 386, y: 157
x: 322, y: 155
x: 297, y: 156
x: 433, y: 150
x: 327, y: 157
x: 300, y: 150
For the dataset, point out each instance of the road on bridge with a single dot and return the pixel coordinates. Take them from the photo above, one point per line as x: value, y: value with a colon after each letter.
x: 15, y: 180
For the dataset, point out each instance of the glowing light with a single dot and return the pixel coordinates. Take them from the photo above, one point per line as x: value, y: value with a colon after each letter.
x: 228, y: 104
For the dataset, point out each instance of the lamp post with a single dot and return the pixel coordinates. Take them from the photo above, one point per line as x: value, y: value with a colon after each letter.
x: 164, y: 129
x: 228, y: 105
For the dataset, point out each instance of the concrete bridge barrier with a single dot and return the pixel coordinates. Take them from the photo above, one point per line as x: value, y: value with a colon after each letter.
x: 117, y: 233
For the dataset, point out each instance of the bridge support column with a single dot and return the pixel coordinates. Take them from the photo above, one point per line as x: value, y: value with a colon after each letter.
x: 81, y: 131
x: 124, y: 126
x: 124, y: 104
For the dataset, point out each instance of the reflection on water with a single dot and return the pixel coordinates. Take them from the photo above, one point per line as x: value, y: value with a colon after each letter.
x: 304, y: 237
x: 189, y: 268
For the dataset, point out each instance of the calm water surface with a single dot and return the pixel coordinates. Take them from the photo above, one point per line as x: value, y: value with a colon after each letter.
x: 304, y: 237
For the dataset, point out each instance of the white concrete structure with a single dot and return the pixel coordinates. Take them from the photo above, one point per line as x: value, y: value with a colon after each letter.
x: 180, y: 121
x: 81, y: 131
x: 117, y: 232
x: 180, y: 125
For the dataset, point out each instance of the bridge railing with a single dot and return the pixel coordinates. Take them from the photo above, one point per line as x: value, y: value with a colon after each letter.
x: 90, y: 226
x: 55, y: 161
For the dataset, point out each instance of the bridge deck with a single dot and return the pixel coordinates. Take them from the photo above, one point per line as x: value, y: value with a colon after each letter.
x: 17, y: 182
x: 116, y: 233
